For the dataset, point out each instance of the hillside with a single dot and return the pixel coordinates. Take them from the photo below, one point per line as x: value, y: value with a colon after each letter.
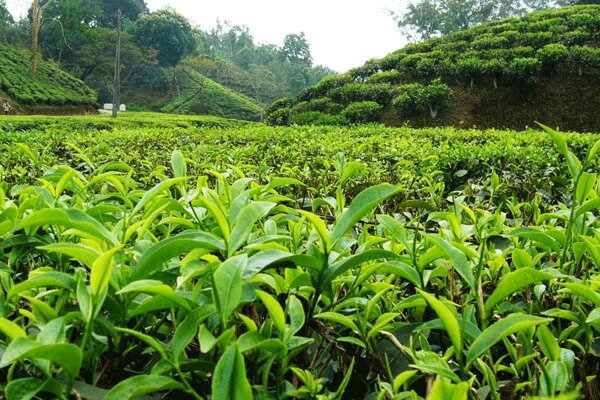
x: 48, y: 88
x: 508, y: 73
x: 197, y: 94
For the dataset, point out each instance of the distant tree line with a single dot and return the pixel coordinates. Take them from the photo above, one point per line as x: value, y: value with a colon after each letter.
x: 423, y: 19
x: 79, y: 35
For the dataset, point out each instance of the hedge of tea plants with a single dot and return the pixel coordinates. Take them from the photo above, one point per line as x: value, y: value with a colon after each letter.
x: 49, y: 85
x: 513, y: 52
x: 201, y: 263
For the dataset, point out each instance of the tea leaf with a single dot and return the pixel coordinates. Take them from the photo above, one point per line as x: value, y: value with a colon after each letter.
x: 102, y: 271
x: 513, y: 282
x: 66, y: 355
x: 362, y: 205
x: 229, y: 380
x: 501, y: 329
x: 449, y: 319
x: 140, y: 385
x: 275, y: 310
x: 242, y: 227
x: 172, y: 247
x: 229, y: 286
x: 444, y: 390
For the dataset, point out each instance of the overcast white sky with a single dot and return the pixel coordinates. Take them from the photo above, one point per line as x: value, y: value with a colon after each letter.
x: 343, y: 34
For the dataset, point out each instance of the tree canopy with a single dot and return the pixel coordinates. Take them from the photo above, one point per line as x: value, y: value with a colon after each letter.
x: 423, y: 19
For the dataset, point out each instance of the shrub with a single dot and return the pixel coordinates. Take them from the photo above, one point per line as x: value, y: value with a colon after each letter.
x: 279, y: 117
x: 415, y: 96
x: 358, y: 92
x: 286, y: 102
x: 323, y: 105
x: 552, y: 54
x: 317, y: 118
x: 391, y: 76
x: 362, y: 112
x: 525, y: 69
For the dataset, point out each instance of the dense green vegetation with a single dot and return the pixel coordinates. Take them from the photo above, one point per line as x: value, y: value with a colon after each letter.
x: 303, y: 262
x: 79, y: 36
x: 201, y: 95
x: 498, y: 59
x: 49, y: 86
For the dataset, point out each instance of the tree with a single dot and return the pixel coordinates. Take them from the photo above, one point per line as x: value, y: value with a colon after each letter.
x: 5, y: 20
x: 107, y: 10
x: 427, y: 18
x: 296, y: 49
x: 37, y: 18
x: 167, y: 32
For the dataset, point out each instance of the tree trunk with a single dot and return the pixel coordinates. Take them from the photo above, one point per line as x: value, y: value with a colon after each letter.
x: 35, y: 33
x: 433, y: 110
x: 495, y: 83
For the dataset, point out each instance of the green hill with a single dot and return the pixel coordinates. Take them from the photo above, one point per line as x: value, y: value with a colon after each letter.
x: 48, y: 86
x: 544, y: 66
x: 198, y: 94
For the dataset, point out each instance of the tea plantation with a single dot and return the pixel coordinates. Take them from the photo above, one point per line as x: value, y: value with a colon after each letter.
x: 158, y: 256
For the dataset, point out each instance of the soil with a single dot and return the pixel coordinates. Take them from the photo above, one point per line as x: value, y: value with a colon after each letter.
x: 563, y: 99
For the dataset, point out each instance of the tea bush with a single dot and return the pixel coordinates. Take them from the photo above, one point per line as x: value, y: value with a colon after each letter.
x: 128, y: 268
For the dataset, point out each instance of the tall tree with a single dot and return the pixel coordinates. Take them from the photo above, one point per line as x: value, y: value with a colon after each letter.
x: 107, y: 10
x: 296, y: 49
x: 426, y: 18
x: 5, y: 20
x: 37, y: 19
x: 167, y: 32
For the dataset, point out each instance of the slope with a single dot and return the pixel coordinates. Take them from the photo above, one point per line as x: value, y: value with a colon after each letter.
x: 197, y: 94
x: 508, y: 73
x: 49, y: 86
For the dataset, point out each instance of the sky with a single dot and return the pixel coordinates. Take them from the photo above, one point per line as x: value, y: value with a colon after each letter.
x: 342, y: 34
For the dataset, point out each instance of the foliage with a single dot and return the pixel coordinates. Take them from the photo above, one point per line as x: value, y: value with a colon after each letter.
x: 428, y: 18
x: 127, y: 273
x: 414, y: 96
x: 48, y: 86
x: 167, y: 32
x: 514, y: 53
x: 362, y: 112
x: 199, y: 95
x: 319, y: 118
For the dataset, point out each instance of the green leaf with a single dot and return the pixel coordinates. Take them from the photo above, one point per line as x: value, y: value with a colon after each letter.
x: 457, y: 258
x: 585, y: 185
x: 319, y: 225
x: 69, y: 218
x: 449, y: 319
x: 157, y: 255
x: 275, y: 310
x: 583, y: 291
x: 445, y: 390
x: 45, y: 279
x: 178, y: 164
x: 186, y: 331
x: 157, y: 288
x: 548, y: 343
x: 11, y: 330
x: 229, y: 380
x: 590, y: 205
x: 540, y: 237
x: 561, y: 143
x: 513, y: 282
x: 102, y: 271
x: 339, y: 318
x: 244, y: 223
x: 501, y: 329
x: 149, y: 340
x: 84, y: 254
x: 347, y: 263
x: 66, y: 355
x: 296, y: 313
x: 362, y: 205
x: 140, y: 385
x: 228, y: 286
x: 152, y: 194
x: 84, y: 298
x: 24, y: 389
